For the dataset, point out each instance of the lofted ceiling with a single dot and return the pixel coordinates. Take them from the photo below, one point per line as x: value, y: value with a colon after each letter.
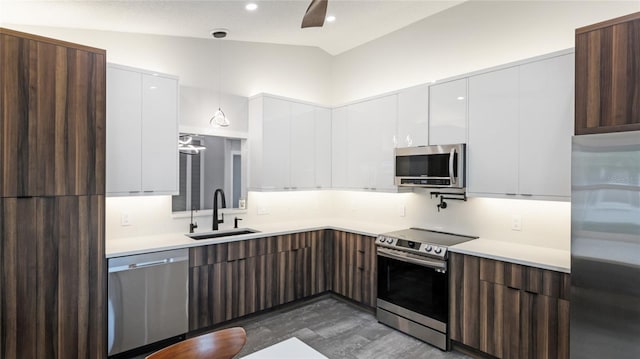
x: 275, y: 21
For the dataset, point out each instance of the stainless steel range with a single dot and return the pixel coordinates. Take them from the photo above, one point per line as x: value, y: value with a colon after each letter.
x: 413, y: 283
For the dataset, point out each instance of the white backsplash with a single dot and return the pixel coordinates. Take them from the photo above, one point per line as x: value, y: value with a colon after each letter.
x: 544, y: 223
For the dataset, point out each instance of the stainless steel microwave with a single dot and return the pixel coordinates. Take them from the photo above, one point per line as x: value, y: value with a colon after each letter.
x: 440, y: 166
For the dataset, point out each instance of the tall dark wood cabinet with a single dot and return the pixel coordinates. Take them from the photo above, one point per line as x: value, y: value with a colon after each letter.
x: 608, y: 76
x: 52, y: 263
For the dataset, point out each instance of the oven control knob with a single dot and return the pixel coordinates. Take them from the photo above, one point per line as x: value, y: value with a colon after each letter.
x: 438, y: 250
x: 389, y: 240
x: 429, y: 248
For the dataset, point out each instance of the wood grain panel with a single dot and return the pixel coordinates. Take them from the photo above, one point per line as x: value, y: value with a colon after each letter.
x: 355, y: 267
x: 608, y: 77
x: 512, y: 322
x: 464, y: 293
x: 563, y: 329
x: 231, y: 280
x: 53, y: 119
x: 492, y: 310
x: 52, y: 276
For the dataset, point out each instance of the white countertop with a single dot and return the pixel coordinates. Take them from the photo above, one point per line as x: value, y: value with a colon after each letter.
x: 292, y: 348
x: 118, y: 247
x: 541, y: 257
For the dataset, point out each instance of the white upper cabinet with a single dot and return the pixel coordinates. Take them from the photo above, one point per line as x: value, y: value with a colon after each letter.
x: 339, y: 145
x: 276, y: 148
x: 159, y: 134
x: 413, y: 117
x: 448, y: 112
x: 546, y: 126
x: 323, y: 148
x: 362, y: 144
x: 288, y: 144
x: 142, y: 132
x: 493, y: 130
x: 303, y: 169
x: 520, y: 127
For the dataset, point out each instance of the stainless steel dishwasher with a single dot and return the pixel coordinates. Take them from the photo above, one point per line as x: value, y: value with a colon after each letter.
x: 148, y: 299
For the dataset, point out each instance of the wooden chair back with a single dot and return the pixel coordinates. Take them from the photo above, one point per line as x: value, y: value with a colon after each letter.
x: 221, y: 344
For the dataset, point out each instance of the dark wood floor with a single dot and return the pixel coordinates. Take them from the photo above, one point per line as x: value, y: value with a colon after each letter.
x: 338, y: 330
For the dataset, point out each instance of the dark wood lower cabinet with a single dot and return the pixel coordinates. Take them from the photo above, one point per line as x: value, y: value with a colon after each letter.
x: 231, y: 280
x: 522, y: 312
x: 52, y: 277
x: 354, y: 267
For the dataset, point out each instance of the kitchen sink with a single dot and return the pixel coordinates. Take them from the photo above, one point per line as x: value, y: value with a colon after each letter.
x: 220, y: 234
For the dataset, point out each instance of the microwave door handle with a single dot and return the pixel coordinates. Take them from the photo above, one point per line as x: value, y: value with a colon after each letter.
x: 451, y: 158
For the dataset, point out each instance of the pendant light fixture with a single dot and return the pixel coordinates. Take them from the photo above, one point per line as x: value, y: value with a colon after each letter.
x: 219, y: 118
x: 186, y: 146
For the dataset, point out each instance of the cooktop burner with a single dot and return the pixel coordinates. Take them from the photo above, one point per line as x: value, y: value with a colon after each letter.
x: 422, y: 241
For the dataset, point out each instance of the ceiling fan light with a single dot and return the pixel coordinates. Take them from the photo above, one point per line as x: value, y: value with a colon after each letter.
x: 251, y: 6
x: 219, y: 119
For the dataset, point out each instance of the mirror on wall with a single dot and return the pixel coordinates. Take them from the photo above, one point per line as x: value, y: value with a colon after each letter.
x: 206, y: 164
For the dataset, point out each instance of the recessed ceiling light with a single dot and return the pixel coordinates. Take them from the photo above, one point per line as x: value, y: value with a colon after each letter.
x: 460, y: 98
x: 330, y: 18
x: 251, y: 6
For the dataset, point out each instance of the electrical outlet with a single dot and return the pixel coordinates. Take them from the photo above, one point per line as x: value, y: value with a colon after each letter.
x: 262, y: 210
x: 402, y: 211
x: 125, y: 219
x: 516, y: 223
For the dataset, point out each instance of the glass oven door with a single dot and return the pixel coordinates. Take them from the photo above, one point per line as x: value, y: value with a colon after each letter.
x: 418, y: 288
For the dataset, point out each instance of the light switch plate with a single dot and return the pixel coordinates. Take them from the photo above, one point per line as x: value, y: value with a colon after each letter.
x: 262, y: 210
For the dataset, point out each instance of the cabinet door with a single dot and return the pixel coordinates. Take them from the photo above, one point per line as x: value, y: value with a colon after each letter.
x: 608, y: 77
x: 159, y: 134
x: 546, y: 127
x: 124, y: 131
x: 52, y: 270
x: 464, y: 294
x: 413, y: 117
x: 493, y: 132
x: 302, y: 146
x: 51, y: 119
x: 339, y: 147
x: 492, y: 320
x: 323, y: 148
x: 448, y: 112
x: 276, y: 144
x: 371, y: 131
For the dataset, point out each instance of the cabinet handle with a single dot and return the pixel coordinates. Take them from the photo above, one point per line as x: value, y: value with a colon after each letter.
x: 373, y: 188
x: 149, y: 191
x: 527, y: 194
x: 294, y: 187
x: 510, y: 194
x: 134, y: 191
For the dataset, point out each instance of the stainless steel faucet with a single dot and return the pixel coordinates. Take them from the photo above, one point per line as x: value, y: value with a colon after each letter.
x: 215, y: 208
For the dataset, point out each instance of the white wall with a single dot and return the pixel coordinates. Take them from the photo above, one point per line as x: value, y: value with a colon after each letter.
x: 468, y: 37
x: 247, y: 68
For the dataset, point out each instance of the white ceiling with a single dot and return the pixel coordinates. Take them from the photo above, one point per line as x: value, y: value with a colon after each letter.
x: 274, y: 21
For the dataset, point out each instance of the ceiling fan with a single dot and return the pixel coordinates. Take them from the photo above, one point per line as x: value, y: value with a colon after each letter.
x: 315, y: 15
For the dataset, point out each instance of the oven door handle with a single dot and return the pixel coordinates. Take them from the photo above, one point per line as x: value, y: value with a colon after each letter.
x: 440, y: 266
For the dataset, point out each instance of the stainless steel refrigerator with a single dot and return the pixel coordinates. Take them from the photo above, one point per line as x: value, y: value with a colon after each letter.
x: 605, y: 246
